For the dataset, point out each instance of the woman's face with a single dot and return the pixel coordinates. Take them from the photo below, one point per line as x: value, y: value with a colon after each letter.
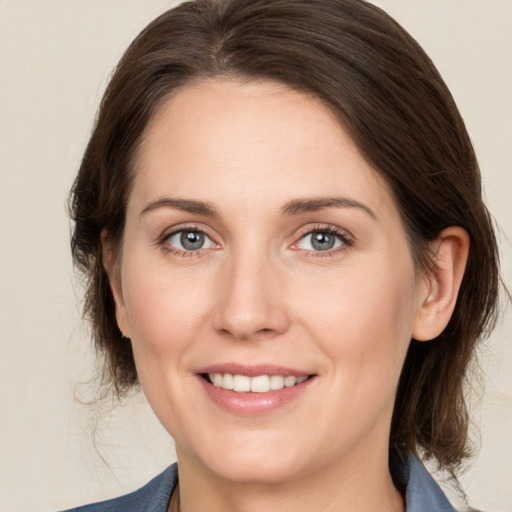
x: 261, y: 250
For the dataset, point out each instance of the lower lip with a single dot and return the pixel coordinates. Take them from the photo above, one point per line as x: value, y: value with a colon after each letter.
x: 251, y: 404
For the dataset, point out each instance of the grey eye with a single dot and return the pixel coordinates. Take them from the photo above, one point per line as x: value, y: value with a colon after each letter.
x: 320, y: 241
x: 192, y: 240
x: 189, y: 240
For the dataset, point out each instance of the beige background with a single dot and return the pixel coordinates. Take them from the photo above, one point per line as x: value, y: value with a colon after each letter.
x: 55, y: 58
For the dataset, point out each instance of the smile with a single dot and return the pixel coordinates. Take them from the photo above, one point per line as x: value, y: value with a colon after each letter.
x: 257, y: 384
x: 250, y: 390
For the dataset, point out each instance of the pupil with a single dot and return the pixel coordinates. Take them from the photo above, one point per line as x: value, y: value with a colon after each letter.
x: 322, y: 241
x: 192, y: 240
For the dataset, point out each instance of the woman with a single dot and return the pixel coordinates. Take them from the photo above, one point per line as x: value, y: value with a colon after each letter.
x: 280, y: 220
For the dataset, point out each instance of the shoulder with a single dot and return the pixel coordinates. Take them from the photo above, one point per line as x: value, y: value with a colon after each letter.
x: 153, y: 497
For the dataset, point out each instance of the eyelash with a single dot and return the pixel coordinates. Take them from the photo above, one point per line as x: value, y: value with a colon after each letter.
x: 169, y: 249
x: 346, y: 241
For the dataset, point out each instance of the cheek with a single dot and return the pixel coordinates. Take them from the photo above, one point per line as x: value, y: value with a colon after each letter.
x: 362, y: 320
x: 164, y: 308
x: 166, y: 311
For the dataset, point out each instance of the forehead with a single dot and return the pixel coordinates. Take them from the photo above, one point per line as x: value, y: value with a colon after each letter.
x: 259, y: 140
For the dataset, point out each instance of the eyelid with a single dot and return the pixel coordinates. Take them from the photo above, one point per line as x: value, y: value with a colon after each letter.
x: 168, y: 233
x: 346, y: 238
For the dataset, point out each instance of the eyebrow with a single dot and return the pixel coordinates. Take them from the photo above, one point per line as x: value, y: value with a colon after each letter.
x: 291, y: 208
x: 314, y: 204
x: 185, y: 205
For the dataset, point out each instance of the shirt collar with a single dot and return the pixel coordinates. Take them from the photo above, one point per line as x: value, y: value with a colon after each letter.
x: 422, y: 491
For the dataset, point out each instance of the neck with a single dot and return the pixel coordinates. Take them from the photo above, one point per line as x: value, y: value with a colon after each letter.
x: 357, y: 483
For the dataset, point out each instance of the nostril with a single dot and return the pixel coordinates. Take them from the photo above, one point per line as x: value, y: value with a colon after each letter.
x: 266, y: 330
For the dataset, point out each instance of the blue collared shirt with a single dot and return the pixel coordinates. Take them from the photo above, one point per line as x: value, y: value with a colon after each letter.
x: 422, y: 493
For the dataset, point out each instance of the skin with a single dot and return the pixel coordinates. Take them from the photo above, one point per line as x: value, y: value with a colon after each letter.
x: 259, y: 292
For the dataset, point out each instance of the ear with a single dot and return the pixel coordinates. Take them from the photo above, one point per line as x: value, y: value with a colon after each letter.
x: 111, y: 265
x: 439, y: 296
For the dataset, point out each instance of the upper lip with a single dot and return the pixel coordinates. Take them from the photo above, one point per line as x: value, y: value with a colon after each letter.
x: 252, y: 370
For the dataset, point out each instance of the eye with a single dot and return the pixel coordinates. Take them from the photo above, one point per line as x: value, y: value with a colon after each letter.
x: 189, y: 240
x: 322, y: 240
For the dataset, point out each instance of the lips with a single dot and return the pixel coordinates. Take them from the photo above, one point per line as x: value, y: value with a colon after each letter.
x: 254, y: 389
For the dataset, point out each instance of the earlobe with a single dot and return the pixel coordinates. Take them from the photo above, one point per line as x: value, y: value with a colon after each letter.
x: 111, y: 266
x: 442, y: 284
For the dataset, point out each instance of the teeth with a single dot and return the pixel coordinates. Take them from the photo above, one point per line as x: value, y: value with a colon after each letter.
x: 259, y: 384
x: 241, y: 383
x: 289, y: 381
x: 276, y: 382
x: 227, y: 381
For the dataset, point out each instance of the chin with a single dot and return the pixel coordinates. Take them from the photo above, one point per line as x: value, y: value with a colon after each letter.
x: 268, y: 472
x: 262, y: 463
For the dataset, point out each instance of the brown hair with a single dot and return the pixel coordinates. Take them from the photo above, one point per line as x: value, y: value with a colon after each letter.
x: 390, y: 98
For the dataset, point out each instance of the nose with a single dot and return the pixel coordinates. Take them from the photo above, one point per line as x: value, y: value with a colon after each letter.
x: 251, y: 302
